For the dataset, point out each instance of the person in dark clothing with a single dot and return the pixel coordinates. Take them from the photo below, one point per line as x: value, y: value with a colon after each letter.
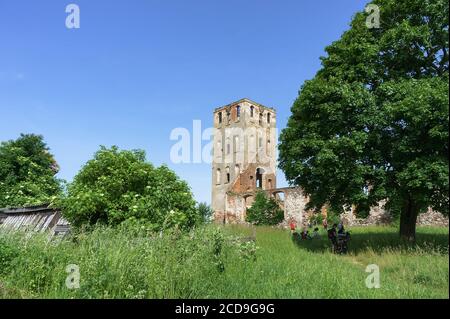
x: 332, y: 236
x: 343, y: 238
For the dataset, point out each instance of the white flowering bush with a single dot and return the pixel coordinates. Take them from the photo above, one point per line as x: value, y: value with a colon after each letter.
x: 117, y: 185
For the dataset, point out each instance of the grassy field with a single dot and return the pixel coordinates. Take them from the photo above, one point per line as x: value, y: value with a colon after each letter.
x: 213, y: 262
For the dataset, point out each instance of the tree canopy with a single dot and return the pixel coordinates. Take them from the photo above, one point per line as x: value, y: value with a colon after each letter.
x: 27, y: 172
x: 119, y: 185
x: 372, y: 124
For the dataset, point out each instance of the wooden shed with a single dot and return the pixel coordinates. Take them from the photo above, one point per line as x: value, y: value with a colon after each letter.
x: 40, y: 218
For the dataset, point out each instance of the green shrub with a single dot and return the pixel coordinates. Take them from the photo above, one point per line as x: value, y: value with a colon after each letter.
x: 7, y: 254
x: 128, y: 261
x: 316, y: 219
x: 264, y: 211
x: 333, y: 217
x: 131, y: 261
x: 117, y: 185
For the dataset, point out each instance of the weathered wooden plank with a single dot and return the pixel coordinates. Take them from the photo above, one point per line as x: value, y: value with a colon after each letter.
x: 33, y: 219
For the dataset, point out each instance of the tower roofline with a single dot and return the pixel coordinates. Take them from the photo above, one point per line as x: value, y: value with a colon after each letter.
x: 241, y: 101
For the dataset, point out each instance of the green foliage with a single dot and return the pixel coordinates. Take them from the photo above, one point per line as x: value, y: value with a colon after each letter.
x: 333, y: 217
x: 264, y: 211
x: 205, y: 212
x: 373, y: 124
x: 117, y: 185
x: 131, y: 262
x: 127, y: 261
x: 217, y: 244
x: 7, y: 253
x: 316, y: 219
x: 27, y: 172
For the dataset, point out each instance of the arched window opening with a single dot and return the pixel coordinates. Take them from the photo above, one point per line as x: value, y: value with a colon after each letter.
x: 268, y: 117
x: 269, y: 184
x: 238, y: 111
x: 228, y: 174
x: 252, y: 110
x: 220, y: 117
x: 279, y: 196
x: 259, y: 178
x: 260, y: 118
x: 218, y: 176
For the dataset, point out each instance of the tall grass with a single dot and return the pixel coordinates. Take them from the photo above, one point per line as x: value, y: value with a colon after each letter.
x: 211, y: 262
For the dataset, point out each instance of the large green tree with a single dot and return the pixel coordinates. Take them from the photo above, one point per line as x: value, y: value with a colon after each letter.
x: 373, y: 123
x: 27, y: 172
x: 119, y: 185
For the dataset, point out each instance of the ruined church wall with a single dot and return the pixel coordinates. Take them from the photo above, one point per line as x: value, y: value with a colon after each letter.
x: 295, y: 206
x: 380, y: 216
x: 295, y: 203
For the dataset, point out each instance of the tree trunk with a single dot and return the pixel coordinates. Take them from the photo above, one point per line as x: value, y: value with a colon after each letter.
x: 408, y: 220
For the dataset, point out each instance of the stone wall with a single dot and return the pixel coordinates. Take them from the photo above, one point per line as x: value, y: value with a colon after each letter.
x: 432, y: 218
x: 294, y: 205
x: 379, y: 216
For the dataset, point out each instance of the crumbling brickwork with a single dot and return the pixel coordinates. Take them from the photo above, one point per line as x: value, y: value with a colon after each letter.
x: 244, y: 154
x: 244, y: 162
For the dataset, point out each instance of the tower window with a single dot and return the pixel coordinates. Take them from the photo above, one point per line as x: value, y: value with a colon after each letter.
x: 259, y: 178
x: 220, y: 117
x: 228, y: 174
x: 260, y: 118
x: 238, y: 111
x: 268, y: 117
x: 218, y: 176
x: 252, y: 110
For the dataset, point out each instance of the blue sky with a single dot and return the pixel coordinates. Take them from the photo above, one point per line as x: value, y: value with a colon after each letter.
x: 137, y: 69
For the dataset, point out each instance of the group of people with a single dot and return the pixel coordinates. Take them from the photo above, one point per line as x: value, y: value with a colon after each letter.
x: 337, y: 235
x: 339, y: 238
x: 304, y: 234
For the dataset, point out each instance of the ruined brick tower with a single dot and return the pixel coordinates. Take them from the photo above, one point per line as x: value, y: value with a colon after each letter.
x: 244, y: 157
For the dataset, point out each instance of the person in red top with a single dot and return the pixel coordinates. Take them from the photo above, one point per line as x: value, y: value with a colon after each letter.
x: 292, y: 226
